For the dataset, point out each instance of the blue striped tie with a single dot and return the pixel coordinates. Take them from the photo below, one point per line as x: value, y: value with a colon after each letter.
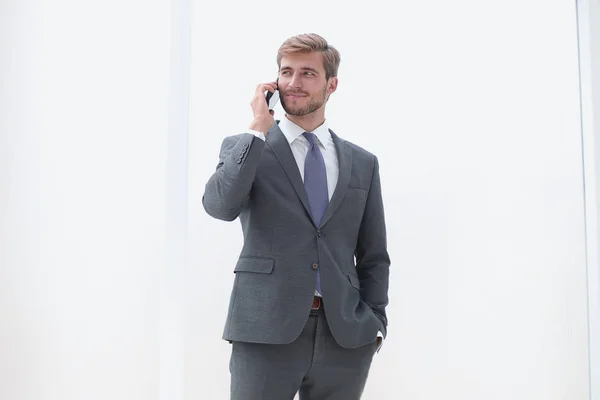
x: 315, y: 183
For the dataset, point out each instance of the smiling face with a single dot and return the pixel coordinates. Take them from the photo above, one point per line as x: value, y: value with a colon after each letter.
x: 303, y: 84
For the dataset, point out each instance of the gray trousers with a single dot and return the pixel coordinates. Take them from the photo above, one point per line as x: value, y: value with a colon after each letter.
x: 314, y: 365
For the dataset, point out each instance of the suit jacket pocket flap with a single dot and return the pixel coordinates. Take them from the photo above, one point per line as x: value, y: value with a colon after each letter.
x: 354, y: 281
x: 258, y: 265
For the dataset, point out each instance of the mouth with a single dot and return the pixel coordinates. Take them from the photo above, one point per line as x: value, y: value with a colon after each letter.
x: 295, y: 95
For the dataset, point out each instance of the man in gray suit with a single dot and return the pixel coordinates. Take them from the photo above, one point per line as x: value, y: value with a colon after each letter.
x: 307, y: 309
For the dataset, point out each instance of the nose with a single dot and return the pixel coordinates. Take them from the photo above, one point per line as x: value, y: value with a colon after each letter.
x: 295, y: 82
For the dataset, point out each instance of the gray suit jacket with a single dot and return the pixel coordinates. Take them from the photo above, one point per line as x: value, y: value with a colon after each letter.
x: 275, y: 275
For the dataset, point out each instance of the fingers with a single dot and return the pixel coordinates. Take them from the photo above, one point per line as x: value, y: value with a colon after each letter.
x: 263, y: 87
x: 263, y: 117
x: 259, y: 105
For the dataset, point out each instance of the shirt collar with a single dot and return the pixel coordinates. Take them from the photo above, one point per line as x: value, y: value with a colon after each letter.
x: 291, y: 131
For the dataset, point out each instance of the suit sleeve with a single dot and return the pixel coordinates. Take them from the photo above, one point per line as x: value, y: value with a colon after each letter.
x: 372, y: 259
x: 229, y: 186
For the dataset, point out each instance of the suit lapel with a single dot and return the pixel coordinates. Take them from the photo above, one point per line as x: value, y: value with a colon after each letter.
x: 280, y: 146
x: 345, y: 163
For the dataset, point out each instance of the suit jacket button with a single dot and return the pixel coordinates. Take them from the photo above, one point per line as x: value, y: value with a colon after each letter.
x: 315, y: 266
x: 320, y: 234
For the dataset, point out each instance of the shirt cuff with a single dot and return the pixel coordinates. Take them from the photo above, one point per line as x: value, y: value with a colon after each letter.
x: 257, y: 134
x: 380, y: 335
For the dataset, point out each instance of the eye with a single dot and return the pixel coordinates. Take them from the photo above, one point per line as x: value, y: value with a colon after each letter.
x: 309, y: 73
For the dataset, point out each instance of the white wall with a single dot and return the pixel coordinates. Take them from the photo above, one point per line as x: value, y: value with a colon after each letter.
x: 477, y: 129
x: 83, y: 149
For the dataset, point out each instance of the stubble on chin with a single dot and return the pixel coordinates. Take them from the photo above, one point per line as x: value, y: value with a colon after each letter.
x: 312, y: 106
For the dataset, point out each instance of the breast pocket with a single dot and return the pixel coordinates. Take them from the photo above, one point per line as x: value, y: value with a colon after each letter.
x: 353, y: 206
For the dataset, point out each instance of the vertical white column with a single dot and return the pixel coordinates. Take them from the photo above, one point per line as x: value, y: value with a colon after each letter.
x: 172, y: 314
x: 83, y: 197
x: 589, y: 55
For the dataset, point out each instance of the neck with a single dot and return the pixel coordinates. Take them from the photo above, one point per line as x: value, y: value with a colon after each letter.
x: 308, y: 122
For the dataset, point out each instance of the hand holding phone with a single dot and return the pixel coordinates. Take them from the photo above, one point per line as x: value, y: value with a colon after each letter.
x: 262, y: 106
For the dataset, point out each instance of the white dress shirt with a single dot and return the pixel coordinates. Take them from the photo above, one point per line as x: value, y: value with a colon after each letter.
x: 300, y: 145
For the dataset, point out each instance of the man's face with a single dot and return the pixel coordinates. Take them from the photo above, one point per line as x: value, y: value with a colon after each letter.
x: 302, y: 84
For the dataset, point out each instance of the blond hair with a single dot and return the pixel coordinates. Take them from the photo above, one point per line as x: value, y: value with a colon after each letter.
x: 309, y: 42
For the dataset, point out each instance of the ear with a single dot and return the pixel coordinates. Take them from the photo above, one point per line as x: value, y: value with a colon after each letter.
x: 332, y: 84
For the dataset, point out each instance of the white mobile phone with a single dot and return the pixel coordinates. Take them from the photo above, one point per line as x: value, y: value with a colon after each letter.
x: 272, y: 99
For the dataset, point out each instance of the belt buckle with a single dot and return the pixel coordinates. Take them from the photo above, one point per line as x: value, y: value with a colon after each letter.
x: 316, y: 304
